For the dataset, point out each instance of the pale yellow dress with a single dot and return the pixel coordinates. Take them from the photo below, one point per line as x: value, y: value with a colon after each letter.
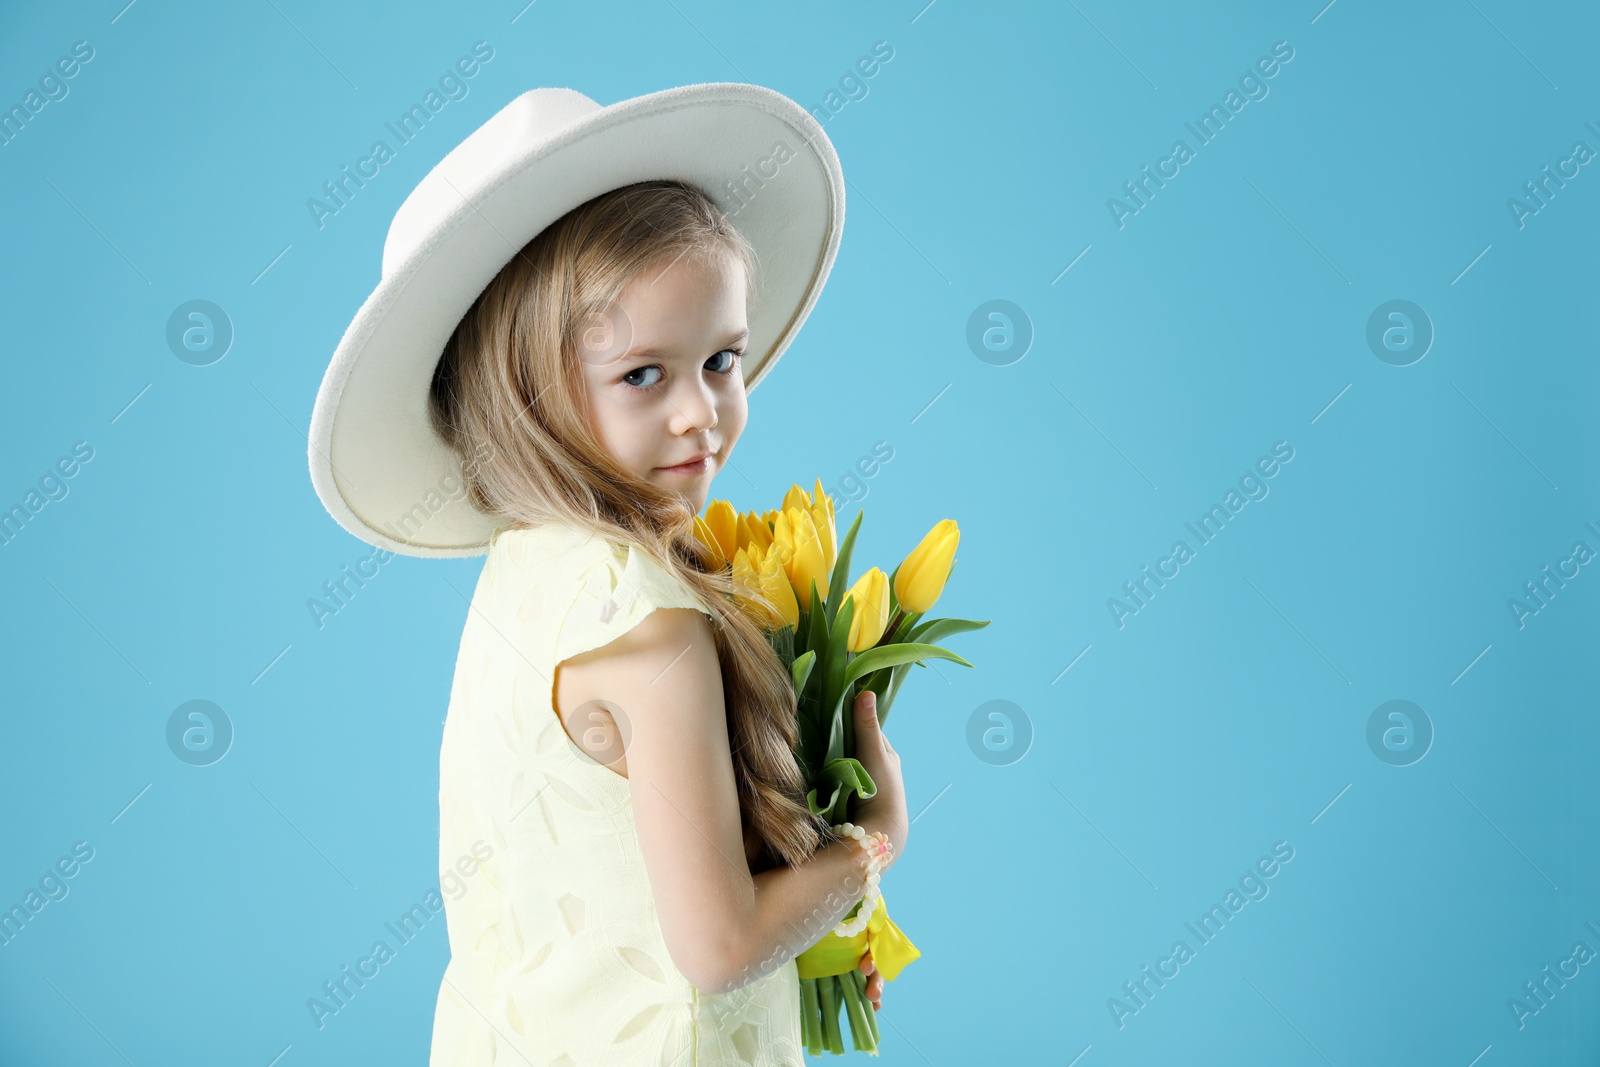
x: 557, y: 956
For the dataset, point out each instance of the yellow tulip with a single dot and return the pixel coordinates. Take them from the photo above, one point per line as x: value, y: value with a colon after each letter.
x: 796, y: 497
x: 754, y: 530
x: 829, y: 541
x: 703, y: 534
x: 799, y: 547
x: 747, y: 589
x: 776, y: 588
x: 764, y: 589
x: 822, y: 519
x: 820, y: 507
x: 822, y: 496
x: 721, y: 523
x: 871, y: 596
x: 921, y: 577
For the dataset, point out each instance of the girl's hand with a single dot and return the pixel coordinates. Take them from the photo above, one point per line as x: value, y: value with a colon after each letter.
x: 886, y: 811
x: 874, y: 981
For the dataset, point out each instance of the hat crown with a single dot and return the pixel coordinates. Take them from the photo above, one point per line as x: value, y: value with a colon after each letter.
x: 532, y: 119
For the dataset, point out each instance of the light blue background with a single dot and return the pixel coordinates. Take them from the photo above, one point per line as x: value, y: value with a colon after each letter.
x: 1228, y: 314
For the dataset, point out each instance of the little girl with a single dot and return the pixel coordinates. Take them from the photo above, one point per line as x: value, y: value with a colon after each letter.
x: 621, y: 919
x: 636, y: 863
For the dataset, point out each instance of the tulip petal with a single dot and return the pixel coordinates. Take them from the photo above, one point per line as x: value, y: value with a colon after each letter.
x: 920, y: 579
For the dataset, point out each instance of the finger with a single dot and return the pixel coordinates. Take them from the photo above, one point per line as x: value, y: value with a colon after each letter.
x: 867, y: 709
x: 866, y: 965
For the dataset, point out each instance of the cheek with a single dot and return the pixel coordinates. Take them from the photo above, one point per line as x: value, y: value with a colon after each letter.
x: 736, y: 411
x: 601, y: 418
x: 616, y: 427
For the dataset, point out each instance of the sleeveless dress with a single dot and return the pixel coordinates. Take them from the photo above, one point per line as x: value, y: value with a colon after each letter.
x: 557, y: 955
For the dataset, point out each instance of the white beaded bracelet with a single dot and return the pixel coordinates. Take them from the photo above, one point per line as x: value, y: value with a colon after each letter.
x: 879, y: 850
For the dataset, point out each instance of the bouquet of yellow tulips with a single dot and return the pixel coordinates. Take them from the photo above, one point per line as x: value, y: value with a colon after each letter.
x: 837, y: 642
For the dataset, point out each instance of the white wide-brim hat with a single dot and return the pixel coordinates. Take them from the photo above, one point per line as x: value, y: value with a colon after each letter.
x: 376, y: 462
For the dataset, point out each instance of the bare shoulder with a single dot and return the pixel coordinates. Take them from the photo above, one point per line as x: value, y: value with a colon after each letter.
x: 659, y: 677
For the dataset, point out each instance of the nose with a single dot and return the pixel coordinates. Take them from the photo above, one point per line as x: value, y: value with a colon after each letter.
x: 694, y: 408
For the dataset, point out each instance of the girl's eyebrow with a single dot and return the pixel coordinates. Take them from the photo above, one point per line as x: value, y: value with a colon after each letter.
x: 658, y: 353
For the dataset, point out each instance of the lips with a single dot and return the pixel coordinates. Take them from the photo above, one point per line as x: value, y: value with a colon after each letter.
x: 691, y: 461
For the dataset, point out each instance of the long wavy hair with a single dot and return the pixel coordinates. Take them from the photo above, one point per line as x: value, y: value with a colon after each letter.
x: 509, y: 395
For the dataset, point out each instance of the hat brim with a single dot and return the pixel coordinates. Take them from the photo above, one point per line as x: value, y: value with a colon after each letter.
x: 376, y: 463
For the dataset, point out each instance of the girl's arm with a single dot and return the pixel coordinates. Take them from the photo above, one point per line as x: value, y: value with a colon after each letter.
x: 723, y: 926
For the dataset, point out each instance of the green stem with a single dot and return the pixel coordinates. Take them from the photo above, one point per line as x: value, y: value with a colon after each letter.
x: 828, y: 988
x: 855, y: 1003
x: 847, y: 712
x: 810, y: 1016
x: 860, y: 981
x: 891, y: 633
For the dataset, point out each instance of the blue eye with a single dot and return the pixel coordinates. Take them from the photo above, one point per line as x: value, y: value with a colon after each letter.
x: 628, y: 378
x: 736, y: 355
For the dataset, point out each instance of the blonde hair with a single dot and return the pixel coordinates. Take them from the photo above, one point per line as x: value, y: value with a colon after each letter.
x: 509, y: 391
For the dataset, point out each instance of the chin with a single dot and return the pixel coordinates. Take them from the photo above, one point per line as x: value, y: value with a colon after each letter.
x: 694, y: 495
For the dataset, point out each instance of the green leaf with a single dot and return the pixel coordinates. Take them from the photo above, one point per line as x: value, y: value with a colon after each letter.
x: 891, y: 655
x: 805, y: 749
x: 886, y: 682
x: 841, y: 566
x: 936, y: 629
x: 903, y: 632
x: 818, y: 809
x: 782, y: 642
x: 835, y: 664
x: 817, y: 630
x: 841, y: 778
x: 800, y: 670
